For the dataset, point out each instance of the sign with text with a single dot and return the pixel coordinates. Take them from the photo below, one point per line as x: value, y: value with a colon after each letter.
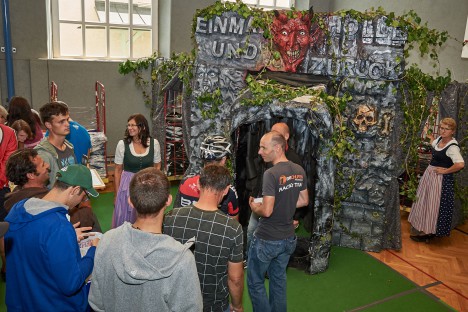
x: 229, y: 40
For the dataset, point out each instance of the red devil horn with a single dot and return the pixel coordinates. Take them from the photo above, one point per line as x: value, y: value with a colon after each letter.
x: 309, y: 15
x: 281, y: 16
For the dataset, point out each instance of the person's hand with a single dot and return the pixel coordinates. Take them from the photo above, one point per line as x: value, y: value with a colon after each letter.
x: 296, y: 223
x: 95, y: 242
x: 426, y: 127
x: 440, y: 170
x: 80, y: 231
x: 252, y: 203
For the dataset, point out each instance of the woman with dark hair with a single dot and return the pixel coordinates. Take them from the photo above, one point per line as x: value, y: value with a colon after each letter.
x: 135, y: 152
x: 20, y: 109
x: 23, y: 132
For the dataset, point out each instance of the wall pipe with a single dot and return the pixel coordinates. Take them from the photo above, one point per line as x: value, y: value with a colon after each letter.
x: 8, y: 49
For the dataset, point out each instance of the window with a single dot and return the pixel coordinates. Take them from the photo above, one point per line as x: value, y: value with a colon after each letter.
x: 268, y: 4
x: 108, y: 29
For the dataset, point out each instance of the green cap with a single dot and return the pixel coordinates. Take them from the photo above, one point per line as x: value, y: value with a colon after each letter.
x: 78, y: 175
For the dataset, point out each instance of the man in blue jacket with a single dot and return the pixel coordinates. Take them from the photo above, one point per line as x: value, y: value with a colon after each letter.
x: 47, y: 272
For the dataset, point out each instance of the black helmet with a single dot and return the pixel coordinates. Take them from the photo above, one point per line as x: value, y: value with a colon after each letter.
x: 214, y: 148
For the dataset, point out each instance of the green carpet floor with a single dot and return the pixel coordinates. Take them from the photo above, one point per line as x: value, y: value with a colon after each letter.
x: 354, y: 281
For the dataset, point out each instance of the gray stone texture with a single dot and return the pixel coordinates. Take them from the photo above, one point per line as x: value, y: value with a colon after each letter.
x: 454, y: 103
x: 365, y: 58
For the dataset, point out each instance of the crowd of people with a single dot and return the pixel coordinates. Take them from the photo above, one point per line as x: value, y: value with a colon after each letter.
x: 189, y: 259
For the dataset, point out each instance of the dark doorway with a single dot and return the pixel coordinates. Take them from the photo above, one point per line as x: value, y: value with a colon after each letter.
x: 250, y: 167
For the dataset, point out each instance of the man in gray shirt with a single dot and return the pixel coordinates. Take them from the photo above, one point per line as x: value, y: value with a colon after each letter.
x: 284, y: 189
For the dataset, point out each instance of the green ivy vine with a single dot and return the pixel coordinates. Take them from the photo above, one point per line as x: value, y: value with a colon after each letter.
x: 179, y: 64
x: 415, y: 85
x: 416, y: 88
x: 260, y: 19
x: 211, y: 99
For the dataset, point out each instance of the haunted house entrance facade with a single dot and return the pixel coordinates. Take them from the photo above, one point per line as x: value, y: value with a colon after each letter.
x: 365, y: 58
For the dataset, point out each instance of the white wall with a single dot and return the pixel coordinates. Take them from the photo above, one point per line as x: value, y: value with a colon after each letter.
x: 441, y: 15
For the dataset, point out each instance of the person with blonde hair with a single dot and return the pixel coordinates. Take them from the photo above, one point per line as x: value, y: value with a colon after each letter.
x: 3, y: 115
x: 431, y: 213
x: 23, y: 131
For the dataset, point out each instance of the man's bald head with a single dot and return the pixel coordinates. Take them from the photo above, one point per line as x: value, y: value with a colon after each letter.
x: 282, y: 128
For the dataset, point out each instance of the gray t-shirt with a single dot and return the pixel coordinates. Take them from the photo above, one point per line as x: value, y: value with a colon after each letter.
x: 284, y: 181
x: 66, y: 157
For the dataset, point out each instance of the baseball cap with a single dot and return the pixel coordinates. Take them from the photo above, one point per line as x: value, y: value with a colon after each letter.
x: 78, y: 175
x: 3, y: 228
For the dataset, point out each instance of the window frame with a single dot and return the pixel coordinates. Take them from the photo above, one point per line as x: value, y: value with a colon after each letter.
x: 54, y: 31
x: 292, y: 3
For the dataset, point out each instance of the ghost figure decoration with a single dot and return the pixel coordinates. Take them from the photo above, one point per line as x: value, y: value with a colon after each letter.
x: 366, y: 117
x: 207, y: 78
x: 291, y: 37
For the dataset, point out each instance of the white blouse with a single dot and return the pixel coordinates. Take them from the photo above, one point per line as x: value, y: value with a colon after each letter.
x: 453, y: 151
x: 120, y: 151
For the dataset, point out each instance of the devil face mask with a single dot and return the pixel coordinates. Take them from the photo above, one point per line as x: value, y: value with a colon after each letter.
x: 292, y: 38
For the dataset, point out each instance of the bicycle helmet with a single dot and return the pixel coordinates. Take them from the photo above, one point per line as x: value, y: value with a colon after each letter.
x: 214, y: 148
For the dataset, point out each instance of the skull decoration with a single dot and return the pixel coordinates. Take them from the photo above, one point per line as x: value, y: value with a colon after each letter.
x: 366, y: 116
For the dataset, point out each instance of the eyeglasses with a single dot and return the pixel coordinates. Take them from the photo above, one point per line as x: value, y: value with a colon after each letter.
x: 444, y: 128
x: 131, y: 125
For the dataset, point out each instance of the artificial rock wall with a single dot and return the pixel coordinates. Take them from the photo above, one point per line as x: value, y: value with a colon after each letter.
x: 366, y: 58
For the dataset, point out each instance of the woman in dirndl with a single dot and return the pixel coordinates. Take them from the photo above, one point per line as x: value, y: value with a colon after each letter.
x: 135, y: 152
x: 431, y: 213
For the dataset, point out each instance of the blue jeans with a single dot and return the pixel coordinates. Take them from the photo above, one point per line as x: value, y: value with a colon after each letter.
x: 271, y: 256
x: 253, y: 223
